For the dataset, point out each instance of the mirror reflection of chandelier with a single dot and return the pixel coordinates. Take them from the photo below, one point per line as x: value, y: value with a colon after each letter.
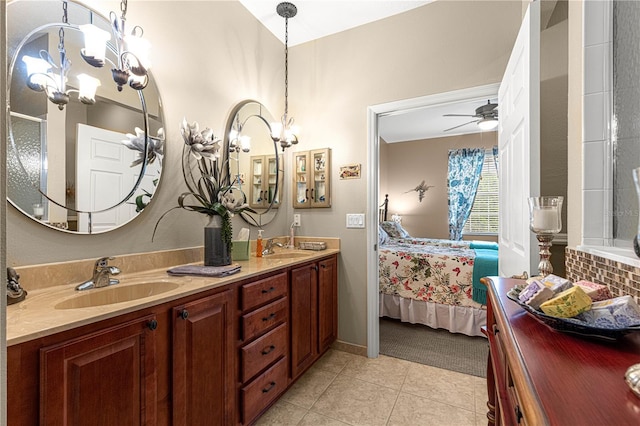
x: 41, y: 76
x: 132, y: 50
x: 285, y: 132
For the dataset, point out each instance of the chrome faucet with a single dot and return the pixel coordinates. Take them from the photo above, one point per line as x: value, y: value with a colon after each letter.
x: 101, y: 275
x: 268, y: 249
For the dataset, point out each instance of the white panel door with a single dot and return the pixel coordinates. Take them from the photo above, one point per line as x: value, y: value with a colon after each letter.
x: 103, y: 178
x: 519, y: 148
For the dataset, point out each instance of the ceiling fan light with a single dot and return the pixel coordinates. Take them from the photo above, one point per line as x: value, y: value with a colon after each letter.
x: 488, y: 123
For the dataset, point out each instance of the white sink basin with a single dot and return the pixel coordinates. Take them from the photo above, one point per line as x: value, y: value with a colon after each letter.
x: 117, y: 293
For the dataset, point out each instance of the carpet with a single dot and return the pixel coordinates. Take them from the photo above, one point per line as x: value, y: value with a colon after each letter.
x: 437, y: 348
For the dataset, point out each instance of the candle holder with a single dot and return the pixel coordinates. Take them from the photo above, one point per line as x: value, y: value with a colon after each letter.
x: 545, y: 221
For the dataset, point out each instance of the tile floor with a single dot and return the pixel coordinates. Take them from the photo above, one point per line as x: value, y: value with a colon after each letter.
x: 346, y: 389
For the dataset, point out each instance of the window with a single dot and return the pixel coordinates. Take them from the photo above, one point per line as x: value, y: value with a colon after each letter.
x: 484, y: 213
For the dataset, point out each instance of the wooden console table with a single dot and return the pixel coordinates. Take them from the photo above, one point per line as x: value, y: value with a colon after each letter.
x: 538, y: 376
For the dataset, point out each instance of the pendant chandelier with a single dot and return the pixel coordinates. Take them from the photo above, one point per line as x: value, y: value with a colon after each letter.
x: 285, y: 131
x: 42, y: 78
x: 132, y: 51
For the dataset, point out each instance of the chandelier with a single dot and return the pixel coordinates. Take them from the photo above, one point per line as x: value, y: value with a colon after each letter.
x: 132, y: 51
x: 42, y: 78
x: 285, y: 131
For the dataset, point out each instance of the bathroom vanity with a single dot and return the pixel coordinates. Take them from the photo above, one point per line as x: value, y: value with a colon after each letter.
x: 207, y: 351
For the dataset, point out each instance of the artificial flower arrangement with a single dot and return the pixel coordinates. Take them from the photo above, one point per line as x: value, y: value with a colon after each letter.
x: 207, y: 179
x: 154, y: 149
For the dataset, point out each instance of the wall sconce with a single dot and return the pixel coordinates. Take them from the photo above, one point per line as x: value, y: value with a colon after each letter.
x: 41, y: 78
x: 285, y: 132
x: 239, y: 142
x: 132, y: 50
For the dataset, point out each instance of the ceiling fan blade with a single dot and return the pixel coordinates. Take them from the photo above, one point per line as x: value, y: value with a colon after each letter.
x: 458, y: 115
x: 460, y: 125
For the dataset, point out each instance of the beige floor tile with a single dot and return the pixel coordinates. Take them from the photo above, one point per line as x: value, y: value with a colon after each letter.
x: 315, y: 419
x: 480, y: 389
x: 414, y: 410
x: 336, y: 360
x: 440, y: 385
x: 282, y: 414
x: 356, y: 402
x: 309, y: 387
x: 481, y: 419
x: 384, y: 370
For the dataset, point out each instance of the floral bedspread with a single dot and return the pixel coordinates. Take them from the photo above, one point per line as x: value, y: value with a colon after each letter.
x: 432, y: 242
x: 433, y: 273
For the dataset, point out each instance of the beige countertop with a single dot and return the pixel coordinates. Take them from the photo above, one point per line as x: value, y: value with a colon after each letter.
x: 37, y: 315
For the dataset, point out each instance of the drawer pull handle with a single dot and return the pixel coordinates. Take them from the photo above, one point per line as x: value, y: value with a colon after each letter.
x: 268, y: 291
x: 184, y: 314
x: 268, y: 350
x: 270, y: 317
x: 271, y: 386
x: 152, y: 324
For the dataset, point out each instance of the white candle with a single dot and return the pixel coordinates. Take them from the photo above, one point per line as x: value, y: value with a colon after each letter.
x: 545, y: 219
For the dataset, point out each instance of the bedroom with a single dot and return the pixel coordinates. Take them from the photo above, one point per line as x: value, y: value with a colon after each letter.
x: 411, y: 153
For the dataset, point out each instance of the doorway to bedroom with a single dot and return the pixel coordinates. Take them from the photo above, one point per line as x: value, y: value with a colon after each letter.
x: 412, y: 169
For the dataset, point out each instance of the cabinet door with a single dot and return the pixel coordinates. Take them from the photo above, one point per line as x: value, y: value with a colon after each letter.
x: 104, y: 378
x: 320, y: 177
x: 203, y: 390
x: 257, y: 197
x: 304, y: 318
x: 327, y: 303
x: 300, y: 180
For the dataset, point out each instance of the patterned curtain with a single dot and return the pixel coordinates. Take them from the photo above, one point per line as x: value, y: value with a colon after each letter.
x: 494, y: 151
x: 465, y: 167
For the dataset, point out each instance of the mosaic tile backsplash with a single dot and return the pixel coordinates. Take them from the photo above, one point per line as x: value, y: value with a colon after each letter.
x: 622, y: 279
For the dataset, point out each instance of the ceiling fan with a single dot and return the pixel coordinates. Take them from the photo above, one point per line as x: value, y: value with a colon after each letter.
x: 486, y: 117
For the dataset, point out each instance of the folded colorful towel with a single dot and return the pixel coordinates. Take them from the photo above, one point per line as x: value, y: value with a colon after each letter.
x: 487, y: 245
x: 205, y: 271
x: 485, y: 264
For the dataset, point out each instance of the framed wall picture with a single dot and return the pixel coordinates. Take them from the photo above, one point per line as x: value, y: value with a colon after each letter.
x: 350, y: 171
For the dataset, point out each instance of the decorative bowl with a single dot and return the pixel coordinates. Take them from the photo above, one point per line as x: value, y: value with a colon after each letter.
x: 572, y: 325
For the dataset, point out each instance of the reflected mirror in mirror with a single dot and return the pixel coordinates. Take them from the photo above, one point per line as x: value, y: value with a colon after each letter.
x: 255, y: 166
x: 69, y: 168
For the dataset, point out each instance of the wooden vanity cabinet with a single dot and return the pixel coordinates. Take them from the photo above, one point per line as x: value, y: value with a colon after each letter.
x: 264, y: 346
x: 203, y: 360
x: 104, y: 378
x: 314, y: 317
x: 539, y: 376
x: 223, y: 356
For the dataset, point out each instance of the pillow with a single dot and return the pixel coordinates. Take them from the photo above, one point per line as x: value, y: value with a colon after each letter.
x: 394, y: 229
x: 383, y: 237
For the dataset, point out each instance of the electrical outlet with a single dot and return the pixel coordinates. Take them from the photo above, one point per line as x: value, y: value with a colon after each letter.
x: 296, y: 219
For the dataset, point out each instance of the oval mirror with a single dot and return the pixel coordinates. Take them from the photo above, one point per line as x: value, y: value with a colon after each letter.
x: 255, y: 167
x: 69, y: 168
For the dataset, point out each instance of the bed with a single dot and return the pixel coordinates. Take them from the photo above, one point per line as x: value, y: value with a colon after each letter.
x: 434, y: 282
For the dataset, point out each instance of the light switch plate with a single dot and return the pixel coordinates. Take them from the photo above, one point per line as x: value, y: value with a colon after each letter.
x: 355, y: 220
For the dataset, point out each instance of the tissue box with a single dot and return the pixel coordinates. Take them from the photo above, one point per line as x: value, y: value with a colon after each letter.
x: 240, y: 250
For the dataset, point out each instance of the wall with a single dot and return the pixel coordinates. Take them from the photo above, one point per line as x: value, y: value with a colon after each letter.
x: 408, y: 163
x: 439, y: 47
x: 209, y: 55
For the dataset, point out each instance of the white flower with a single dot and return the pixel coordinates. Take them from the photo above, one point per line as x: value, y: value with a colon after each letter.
x: 201, y: 143
x: 136, y: 143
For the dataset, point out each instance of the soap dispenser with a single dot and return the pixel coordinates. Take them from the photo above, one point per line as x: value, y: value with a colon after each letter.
x: 259, y: 243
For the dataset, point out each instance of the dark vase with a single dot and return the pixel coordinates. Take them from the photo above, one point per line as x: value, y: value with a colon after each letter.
x: 217, y: 250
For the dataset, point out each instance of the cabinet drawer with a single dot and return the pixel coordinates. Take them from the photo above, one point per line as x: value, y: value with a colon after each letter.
x: 259, y: 354
x: 263, y: 291
x: 261, y: 320
x: 263, y: 390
